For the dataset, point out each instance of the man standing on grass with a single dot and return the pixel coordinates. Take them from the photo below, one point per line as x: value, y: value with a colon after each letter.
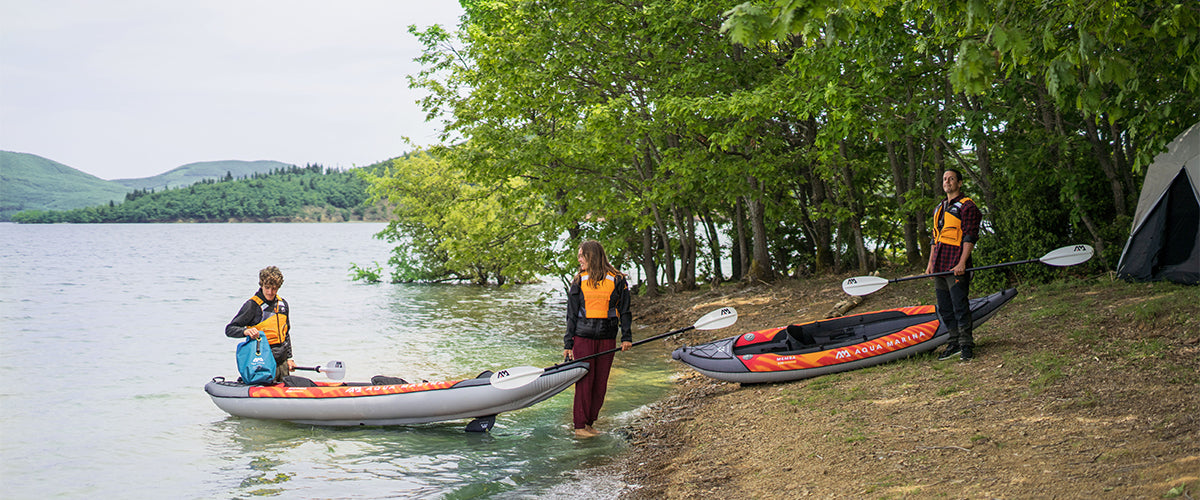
x: 955, y: 231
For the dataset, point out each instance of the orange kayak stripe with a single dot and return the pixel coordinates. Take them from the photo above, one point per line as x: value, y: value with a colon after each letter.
x: 907, y: 337
x: 760, y: 336
x: 343, y: 391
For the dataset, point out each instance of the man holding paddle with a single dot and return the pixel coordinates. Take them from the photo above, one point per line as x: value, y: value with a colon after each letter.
x: 955, y: 231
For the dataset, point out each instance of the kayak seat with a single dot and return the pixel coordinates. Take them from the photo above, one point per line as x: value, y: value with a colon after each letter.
x: 801, y: 335
x: 485, y: 374
x: 386, y: 380
x: 294, y: 381
x: 779, y: 343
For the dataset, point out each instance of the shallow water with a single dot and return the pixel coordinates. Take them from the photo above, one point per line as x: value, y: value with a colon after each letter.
x: 114, y: 329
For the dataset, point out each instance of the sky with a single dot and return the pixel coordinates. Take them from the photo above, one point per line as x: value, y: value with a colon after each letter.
x: 134, y: 88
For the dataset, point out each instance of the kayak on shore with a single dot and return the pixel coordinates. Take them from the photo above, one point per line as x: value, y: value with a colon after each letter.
x: 806, y: 350
x: 366, y: 403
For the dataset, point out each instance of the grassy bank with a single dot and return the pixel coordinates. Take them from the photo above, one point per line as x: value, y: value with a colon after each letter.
x: 1082, y: 389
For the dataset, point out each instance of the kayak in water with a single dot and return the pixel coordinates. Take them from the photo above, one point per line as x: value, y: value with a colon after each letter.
x: 390, y: 402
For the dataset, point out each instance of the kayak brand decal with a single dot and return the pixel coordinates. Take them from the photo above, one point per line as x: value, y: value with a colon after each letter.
x: 343, y: 391
x: 902, y: 339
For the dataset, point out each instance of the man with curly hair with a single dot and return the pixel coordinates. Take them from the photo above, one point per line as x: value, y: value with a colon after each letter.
x: 266, y: 313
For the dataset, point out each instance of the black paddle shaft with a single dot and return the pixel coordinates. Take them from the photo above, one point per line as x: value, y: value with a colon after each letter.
x: 610, y: 351
x: 980, y: 268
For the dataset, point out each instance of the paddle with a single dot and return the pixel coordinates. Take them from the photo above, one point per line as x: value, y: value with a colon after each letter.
x: 335, y: 370
x: 519, y: 376
x: 1065, y: 256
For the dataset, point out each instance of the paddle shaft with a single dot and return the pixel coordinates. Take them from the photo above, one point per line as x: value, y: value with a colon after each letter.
x: 615, y: 349
x: 980, y: 268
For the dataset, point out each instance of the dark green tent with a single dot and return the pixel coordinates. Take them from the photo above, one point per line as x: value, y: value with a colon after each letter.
x: 1165, y: 241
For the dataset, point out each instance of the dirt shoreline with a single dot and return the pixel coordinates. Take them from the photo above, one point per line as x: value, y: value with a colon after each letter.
x: 1084, y: 390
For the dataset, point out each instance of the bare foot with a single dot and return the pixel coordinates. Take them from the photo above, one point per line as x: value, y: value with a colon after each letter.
x: 584, y: 434
x: 591, y: 430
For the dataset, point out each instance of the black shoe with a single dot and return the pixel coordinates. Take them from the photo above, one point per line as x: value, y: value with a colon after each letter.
x: 967, y: 354
x: 950, y: 352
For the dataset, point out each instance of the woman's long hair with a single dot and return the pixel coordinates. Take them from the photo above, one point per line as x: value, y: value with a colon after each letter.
x: 597, y: 262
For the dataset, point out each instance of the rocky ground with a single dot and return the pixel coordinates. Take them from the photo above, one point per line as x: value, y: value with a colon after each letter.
x: 1083, y: 389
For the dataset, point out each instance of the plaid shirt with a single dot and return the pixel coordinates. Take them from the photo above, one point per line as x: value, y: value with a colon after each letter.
x: 946, y: 256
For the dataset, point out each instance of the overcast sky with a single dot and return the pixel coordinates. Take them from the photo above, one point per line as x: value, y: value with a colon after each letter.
x: 134, y: 88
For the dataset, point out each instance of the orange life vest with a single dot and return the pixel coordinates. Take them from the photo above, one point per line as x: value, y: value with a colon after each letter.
x: 947, y: 223
x: 596, y: 299
x: 274, y: 323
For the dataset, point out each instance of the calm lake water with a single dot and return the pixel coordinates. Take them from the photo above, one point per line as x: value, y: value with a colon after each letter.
x: 108, y: 334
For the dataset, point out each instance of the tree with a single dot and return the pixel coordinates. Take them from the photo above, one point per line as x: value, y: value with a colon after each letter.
x: 447, y: 228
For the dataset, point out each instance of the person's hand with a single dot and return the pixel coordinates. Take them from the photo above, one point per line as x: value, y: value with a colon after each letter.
x: 252, y: 333
x: 960, y: 269
x: 567, y: 355
x: 929, y: 268
x: 291, y: 363
x: 626, y: 345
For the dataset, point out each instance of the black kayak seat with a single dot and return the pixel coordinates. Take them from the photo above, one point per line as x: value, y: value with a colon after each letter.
x: 294, y: 381
x: 841, y: 330
x: 386, y: 380
x: 801, y: 334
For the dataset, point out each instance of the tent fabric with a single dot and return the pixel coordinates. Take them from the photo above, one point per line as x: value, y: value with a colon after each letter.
x: 1164, y: 243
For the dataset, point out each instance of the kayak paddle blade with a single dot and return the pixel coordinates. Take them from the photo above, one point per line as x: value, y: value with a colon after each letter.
x: 1068, y: 256
x: 335, y: 370
x: 863, y: 285
x: 517, y: 376
x: 720, y: 318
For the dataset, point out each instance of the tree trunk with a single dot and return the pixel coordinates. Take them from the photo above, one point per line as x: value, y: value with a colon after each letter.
x: 760, y: 265
x: 714, y: 248
x: 665, y: 241
x: 741, y: 257
x: 856, y: 211
x: 685, y: 224
x: 983, y: 155
x: 1105, y: 159
x: 912, y: 249
x: 648, y: 265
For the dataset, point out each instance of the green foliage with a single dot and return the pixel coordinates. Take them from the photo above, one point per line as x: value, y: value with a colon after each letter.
x: 373, y: 274
x: 813, y: 133
x: 447, y: 228
x: 282, y: 194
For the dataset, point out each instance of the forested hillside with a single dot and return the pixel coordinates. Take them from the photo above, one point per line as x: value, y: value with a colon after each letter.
x: 293, y: 193
x: 32, y: 182
x: 192, y: 173
x: 811, y: 136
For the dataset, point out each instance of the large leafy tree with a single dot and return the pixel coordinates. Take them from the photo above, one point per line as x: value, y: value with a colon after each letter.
x: 812, y: 134
x: 447, y: 228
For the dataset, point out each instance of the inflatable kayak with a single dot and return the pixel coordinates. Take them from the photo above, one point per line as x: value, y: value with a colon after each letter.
x: 847, y: 343
x: 339, y: 404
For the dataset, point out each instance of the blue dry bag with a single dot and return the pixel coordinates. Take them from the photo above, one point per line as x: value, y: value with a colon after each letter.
x: 255, y: 362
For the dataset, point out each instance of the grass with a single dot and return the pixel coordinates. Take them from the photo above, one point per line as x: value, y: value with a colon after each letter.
x: 1163, y: 305
x: 1178, y: 491
x: 1044, y: 368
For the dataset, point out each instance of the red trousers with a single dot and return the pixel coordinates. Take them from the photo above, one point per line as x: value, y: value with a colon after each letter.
x: 589, y: 390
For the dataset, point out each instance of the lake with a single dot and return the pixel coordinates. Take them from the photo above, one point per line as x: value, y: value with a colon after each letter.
x: 108, y: 334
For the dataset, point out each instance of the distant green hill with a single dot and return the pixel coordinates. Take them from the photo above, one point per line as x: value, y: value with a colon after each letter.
x: 309, y: 194
x: 30, y: 182
x: 195, y: 172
